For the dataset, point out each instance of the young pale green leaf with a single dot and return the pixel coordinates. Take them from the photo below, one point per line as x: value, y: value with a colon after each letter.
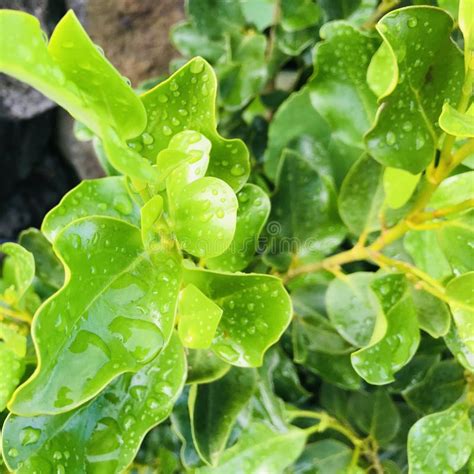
x: 295, y: 117
x: 338, y: 88
x: 352, y: 309
x: 453, y: 190
x: 441, y: 442
x: 456, y: 345
x: 460, y: 292
x: 99, y: 197
x: 253, y: 211
x: 113, y: 315
x: 466, y: 23
x: 198, y: 318
x: 18, y: 268
x: 399, y: 186
x: 361, y: 197
x: 428, y: 72
x: 204, y: 367
x: 382, y: 71
x: 186, y: 101
x: 214, y: 408
x: 327, y: 456
x: 103, y: 435
x: 392, y: 347
x: 244, y: 76
x: 48, y: 268
x: 256, y: 312
x: 260, y: 449
x: 456, y: 123
x: 442, y: 385
x: 259, y: 12
x: 149, y: 215
x: 375, y: 414
x: 205, y: 217
x: 304, y: 222
x: 70, y: 71
x: 433, y: 314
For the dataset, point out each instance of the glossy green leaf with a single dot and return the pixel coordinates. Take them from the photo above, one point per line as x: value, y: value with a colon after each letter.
x: 260, y: 449
x: 48, y: 268
x: 293, y: 43
x: 204, y: 367
x: 399, y: 185
x: 352, y: 308
x: 466, y: 13
x: 205, y: 217
x: 253, y: 211
x: 99, y: 197
x: 453, y: 190
x: 198, y: 318
x: 244, y: 76
x: 457, y: 123
x: 456, y: 345
x: 361, y: 197
x: 304, y: 119
x: 186, y: 101
x: 428, y: 72
x: 460, y: 292
x: 375, y: 414
x: 327, y: 456
x: 443, y: 384
x: 441, y: 442
x: 338, y: 88
x: 259, y: 12
x: 103, y: 435
x: 113, y: 315
x: 149, y: 215
x: 71, y: 71
x: 414, y: 372
x: 214, y: 409
x: 392, y: 348
x: 382, y: 71
x: 18, y: 268
x: 256, y: 311
x: 299, y: 14
x: 433, y: 314
x: 304, y: 222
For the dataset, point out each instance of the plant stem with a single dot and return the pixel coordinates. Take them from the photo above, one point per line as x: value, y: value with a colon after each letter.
x: 383, y: 8
x: 18, y: 315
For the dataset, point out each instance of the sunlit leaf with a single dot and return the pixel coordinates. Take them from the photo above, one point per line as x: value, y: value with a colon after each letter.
x: 457, y: 123
x: 204, y: 366
x: 18, y: 268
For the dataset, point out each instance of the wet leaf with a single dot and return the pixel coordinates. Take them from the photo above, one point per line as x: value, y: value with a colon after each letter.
x: 107, y: 319
x: 457, y: 123
x: 327, y: 456
x: 433, y: 314
x: 104, y: 434
x: 399, y: 185
x: 18, y: 268
x: 204, y: 366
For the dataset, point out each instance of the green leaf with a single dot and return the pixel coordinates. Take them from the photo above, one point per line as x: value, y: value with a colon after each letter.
x: 453, y: 190
x: 304, y: 222
x: 392, y: 348
x: 198, y: 318
x: 399, y: 186
x: 298, y: 15
x: 456, y: 123
x: 361, y: 197
x: 186, y: 101
x: 382, y: 71
x: 443, y: 384
x: 103, y: 435
x: 70, y: 71
x: 428, y: 72
x: 259, y: 12
x: 256, y: 311
x: 433, y: 314
x: 456, y: 345
x: 149, y: 215
x: 260, y: 449
x: 214, y: 408
x: 204, y: 367
x: 99, y: 197
x: 253, y: 211
x: 327, y: 456
x: 205, y: 217
x: 466, y: 13
x: 113, y: 315
x: 18, y: 268
x: 243, y: 77
x: 375, y: 414
x: 295, y: 117
x: 352, y: 308
x: 461, y: 296
x: 338, y: 88
x: 441, y: 442
x: 48, y: 268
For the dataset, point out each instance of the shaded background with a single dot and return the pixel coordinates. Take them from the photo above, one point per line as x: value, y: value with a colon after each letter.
x: 40, y: 158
